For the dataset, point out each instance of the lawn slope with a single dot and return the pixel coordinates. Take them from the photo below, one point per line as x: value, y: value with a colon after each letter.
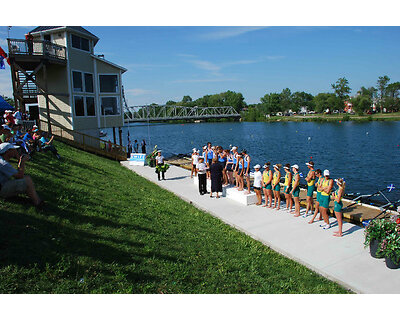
x: 105, y: 229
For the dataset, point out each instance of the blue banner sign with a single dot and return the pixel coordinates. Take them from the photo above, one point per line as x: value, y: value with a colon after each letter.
x: 137, y: 159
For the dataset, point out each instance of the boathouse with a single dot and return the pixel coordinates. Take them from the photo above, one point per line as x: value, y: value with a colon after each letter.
x: 76, y: 89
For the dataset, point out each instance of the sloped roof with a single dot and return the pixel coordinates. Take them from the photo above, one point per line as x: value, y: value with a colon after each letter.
x: 75, y: 28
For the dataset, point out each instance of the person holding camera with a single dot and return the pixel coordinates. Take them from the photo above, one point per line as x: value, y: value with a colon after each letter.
x: 21, y: 183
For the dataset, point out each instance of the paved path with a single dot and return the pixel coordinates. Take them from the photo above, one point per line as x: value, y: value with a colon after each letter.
x: 343, y: 260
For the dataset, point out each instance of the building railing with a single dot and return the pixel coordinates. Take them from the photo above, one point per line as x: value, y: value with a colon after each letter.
x: 36, y: 48
x: 86, y: 142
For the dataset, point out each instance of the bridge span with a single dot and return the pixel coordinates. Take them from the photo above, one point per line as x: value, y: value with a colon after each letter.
x: 166, y: 113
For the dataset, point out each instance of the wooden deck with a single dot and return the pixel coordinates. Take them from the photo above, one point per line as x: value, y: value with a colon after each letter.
x: 356, y: 214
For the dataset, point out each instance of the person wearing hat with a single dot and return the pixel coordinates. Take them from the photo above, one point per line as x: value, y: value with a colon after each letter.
x: 201, y: 173
x: 338, y: 205
x: 287, y: 188
x: 310, y: 187
x: 257, y: 184
x: 295, y: 192
x: 195, y: 161
x: 318, y: 185
x: 10, y: 121
x: 324, y: 199
x: 21, y: 184
x: 161, y: 167
x: 276, y: 187
x: 267, y: 186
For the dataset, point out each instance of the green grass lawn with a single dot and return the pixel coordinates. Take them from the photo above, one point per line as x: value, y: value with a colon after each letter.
x: 105, y: 229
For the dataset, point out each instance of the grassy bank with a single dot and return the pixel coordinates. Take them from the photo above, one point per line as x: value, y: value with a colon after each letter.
x: 334, y: 118
x: 105, y: 229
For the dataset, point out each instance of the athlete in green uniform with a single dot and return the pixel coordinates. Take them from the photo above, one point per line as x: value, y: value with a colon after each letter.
x: 310, y: 188
x: 318, y: 184
x: 324, y: 199
x: 337, y: 196
x: 296, y: 190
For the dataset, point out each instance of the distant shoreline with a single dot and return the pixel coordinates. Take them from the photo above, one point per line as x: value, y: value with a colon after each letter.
x: 332, y: 118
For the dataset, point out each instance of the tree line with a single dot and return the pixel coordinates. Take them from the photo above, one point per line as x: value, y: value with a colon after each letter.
x: 385, y: 96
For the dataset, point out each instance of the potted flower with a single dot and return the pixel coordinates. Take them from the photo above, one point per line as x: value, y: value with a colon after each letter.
x: 151, y: 158
x: 390, y: 249
x: 375, y: 232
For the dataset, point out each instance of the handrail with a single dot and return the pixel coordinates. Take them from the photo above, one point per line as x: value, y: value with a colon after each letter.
x: 86, y: 142
x: 36, y: 48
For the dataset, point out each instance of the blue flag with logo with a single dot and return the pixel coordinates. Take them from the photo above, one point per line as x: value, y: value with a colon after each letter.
x: 2, y: 66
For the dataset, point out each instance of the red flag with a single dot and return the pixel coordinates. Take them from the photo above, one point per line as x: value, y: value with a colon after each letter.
x: 4, y: 55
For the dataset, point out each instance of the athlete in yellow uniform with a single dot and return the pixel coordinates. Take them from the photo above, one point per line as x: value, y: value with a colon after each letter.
x: 276, y: 186
x: 267, y: 185
x: 318, y: 185
x: 310, y: 188
x: 287, y: 188
x: 324, y: 198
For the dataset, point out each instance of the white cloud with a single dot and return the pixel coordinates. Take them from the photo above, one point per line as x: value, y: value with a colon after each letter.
x: 203, y: 80
x: 228, y: 32
x: 3, y: 44
x: 206, y: 65
x: 140, y: 92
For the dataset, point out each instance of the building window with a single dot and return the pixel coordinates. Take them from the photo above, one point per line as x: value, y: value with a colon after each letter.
x: 88, y: 82
x: 80, y: 43
x: 77, y: 81
x: 90, y: 108
x: 108, y: 83
x: 79, y: 106
x: 109, y: 106
x: 84, y: 106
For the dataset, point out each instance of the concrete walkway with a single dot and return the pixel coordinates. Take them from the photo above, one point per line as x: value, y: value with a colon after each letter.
x: 343, y: 260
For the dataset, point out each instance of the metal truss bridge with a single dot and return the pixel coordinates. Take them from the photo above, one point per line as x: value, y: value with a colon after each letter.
x: 166, y: 113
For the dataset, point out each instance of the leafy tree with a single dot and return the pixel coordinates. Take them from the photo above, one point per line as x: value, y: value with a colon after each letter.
x: 323, y: 101
x: 286, y: 100
x: 361, y: 103
x: 392, y: 96
x: 302, y: 99
x: 271, y: 103
x: 342, y: 89
x: 382, y: 84
x: 236, y: 100
x: 171, y: 103
x: 368, y: 92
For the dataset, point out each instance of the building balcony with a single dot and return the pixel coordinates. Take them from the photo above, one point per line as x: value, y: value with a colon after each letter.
x: 32, y: 52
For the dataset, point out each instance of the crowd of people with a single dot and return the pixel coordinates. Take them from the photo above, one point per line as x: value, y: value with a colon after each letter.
x: 226, y: 167
x: 15, y: 142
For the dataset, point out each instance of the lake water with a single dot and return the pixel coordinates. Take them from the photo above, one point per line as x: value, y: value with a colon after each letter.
x: 366, y: 154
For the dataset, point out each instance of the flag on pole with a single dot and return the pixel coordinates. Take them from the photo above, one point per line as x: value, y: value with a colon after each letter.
x: 4, y: 56
x: 390, y: 187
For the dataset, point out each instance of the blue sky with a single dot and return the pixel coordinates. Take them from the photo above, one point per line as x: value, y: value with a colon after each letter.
x: 166, y: 63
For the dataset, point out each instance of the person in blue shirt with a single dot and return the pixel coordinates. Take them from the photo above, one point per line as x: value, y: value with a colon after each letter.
x: 46, y: 145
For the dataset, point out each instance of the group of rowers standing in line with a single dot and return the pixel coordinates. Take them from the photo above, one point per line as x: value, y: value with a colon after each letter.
x: 236, y: 169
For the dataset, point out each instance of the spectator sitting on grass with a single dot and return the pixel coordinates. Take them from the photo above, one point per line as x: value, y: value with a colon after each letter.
x: 46, y: 145
x: 29, y: 142
x: 6, y: 133
x: 21, y: 184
